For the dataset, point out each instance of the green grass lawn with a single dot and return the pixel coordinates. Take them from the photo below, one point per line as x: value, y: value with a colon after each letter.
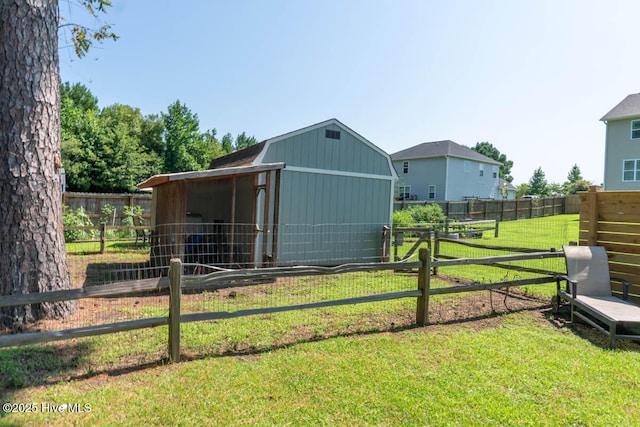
x: 517, y: 369
x: 354, y: 365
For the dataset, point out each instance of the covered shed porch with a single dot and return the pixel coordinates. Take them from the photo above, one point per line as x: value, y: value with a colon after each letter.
x: 223, y: 217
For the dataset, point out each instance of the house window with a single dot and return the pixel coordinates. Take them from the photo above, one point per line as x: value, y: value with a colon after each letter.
x: 635, y: 129
x: 404, y: 192
x: 432, y: 192
x: 405, y: 167
x: 467, y: 166
x: 481, y: 166
x: 631, y: 170
x: 332, y: 134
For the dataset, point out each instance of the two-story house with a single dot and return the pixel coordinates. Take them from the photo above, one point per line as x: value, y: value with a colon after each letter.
x: 444, y: 170
x: 622, y: 149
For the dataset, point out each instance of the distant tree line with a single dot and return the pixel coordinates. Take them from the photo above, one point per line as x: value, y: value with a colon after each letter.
x: 112, y: 149
x: 537, y: 185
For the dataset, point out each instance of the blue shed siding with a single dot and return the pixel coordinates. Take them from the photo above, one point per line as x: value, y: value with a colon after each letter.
x: 332, y: 219
x: 313, y: 150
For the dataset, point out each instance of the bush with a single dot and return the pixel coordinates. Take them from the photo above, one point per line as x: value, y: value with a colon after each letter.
x: 402, y: 218
x: 79, y: 218
x: 130, y: 213
x: 427, y: 214
x: 418, y: 214
x: 107, y: 216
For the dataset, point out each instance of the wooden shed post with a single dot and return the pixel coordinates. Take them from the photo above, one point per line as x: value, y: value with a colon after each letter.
x: 592, y: 208
x: 276, y: 219
x: 265, y: 221
x: 424, y: 283
x: 103, y: 234
x: 232, y: 237
x: 175, y: 277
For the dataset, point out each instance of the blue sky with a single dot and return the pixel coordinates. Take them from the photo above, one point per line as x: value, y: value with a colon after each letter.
x: 532, y: 77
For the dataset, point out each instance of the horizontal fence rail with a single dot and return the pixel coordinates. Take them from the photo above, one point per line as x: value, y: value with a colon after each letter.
x: 178, y: 284
x: 612, y: 219
x: 503, y: 210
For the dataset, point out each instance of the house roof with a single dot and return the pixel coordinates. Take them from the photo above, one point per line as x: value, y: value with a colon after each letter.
x: 445, y: 148
x: 507, y: 184
x: 628, y: 107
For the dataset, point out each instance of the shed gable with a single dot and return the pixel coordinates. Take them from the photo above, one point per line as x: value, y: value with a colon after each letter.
x: 328, y: 146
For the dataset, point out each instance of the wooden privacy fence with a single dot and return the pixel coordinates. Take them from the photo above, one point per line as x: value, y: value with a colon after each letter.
x: 502, y: 210
x: 177, y: 283
x: 142, y: 232
x: 612, y: 219
x: 92, y: 203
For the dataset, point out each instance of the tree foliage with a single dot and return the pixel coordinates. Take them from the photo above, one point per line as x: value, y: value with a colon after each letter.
x: 114, y: 148
x: 243, y: 141
x: 574, y: 174
x: 82, y: 36
x: 487, y: 149
x: 538, y: 183
x: 102, y: 151
x: 185, y: 147
x: 79, y: 95
x: 575, y: 181
x: 227, y: 143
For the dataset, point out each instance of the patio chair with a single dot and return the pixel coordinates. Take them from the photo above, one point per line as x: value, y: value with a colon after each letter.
x: 588, y: 293
x: 140, y: 233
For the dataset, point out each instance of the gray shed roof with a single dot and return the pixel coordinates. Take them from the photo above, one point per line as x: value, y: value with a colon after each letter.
x: 628, y: 107
x: 242, y: 157
x: 441, y: 149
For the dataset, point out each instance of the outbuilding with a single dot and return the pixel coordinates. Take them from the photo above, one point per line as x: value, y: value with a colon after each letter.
x: 319, y: 195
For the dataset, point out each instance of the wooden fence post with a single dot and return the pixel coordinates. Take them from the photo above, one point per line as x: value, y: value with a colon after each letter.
x: 424, y: 279
x: 103, y: 234
x: 386, y: 243
x: 592, y: 200
x: 175, y: 277
x: 436, y: 249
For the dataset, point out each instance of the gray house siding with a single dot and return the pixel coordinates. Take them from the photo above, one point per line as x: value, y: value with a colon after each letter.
x: 468, y: 183
x: 619, y: 147
x: 423, y: 173
x: 448, y: 175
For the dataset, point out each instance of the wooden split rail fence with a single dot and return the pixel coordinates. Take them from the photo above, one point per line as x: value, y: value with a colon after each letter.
x: 177, y: 283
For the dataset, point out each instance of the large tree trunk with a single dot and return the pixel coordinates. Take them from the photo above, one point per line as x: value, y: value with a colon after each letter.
x: 32, y: 253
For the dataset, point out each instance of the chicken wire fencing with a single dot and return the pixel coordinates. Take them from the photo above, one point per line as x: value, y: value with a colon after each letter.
x: 206, y: 248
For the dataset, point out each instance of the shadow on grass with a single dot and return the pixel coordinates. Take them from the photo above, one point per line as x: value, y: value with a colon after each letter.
x: 99, y: 273
x: 37, y: 365
x: 43, y: 365
x: 562, y: 320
